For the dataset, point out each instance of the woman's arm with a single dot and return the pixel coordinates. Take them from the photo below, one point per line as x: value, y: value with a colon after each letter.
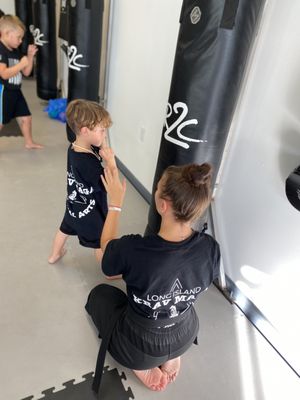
x: 116, y: 192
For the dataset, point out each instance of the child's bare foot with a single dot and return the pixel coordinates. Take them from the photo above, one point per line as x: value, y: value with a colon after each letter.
x: 153, y: 378
x: 32, y: 146
x: 111, y: 278
x: 171, y: 369
x: 55, y: 257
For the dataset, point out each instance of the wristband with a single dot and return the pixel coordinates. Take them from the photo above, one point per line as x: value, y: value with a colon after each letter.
x: 114, y: 208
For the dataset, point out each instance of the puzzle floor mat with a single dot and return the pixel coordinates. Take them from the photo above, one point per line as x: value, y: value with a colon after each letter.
x: 111, y: 388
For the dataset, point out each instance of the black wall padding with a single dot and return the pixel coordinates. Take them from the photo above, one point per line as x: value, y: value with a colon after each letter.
x: 84, y: 51
x: 292, y: 188
x: 214, y: 40
x: 24, y: 12
x: 44, y: 33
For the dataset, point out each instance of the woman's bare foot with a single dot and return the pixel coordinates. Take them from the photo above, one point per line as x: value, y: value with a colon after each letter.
x: 111, y: 278
x: 171, y: 369
x: 98, y: 255
x: 32, y: 146
x: 55, y: 257
x: 153, y: 378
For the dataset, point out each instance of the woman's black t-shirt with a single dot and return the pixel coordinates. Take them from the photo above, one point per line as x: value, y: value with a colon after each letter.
x: 163, y: 278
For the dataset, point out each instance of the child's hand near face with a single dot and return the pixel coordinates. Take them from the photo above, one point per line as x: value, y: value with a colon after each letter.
x: 108, y: 155
x: 32, y: 50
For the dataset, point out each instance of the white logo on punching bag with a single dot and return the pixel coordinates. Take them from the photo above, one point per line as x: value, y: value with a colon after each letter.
x: 37, y: 36
x: 179, y: 125
x: 72, y: 57
x: 195, y: 15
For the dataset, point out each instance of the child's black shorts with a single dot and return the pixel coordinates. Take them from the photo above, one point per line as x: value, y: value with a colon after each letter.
x: 86, y: 238
x: 12, y: 105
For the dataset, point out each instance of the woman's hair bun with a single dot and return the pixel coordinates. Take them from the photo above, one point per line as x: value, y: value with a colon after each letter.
x: 197, y: 175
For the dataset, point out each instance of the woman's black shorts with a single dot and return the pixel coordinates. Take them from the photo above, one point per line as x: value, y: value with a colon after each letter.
x: 134, y: 346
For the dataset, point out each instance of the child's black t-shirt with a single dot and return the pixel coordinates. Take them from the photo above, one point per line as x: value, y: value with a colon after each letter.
x: 86, y: 204
x: 10, y: 58
x: 163, y: 278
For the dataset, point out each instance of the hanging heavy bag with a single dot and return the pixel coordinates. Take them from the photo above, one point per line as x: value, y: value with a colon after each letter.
x: 24, y: 12
x: 63, y: 20
x: 292, y: 188
x: 44, y: 34
x: 213, y: 44
x: 84, y: 50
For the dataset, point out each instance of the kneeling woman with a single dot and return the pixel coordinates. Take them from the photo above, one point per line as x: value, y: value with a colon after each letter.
x: 150, y: 327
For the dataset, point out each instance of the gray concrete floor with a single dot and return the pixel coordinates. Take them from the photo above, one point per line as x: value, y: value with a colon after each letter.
x: 46, y: 338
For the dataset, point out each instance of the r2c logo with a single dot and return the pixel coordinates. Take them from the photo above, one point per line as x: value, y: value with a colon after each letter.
x: 73, y: 57
x: 178, y: 125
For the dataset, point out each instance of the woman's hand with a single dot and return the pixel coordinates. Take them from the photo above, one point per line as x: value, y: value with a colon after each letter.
x: 116, y: 191
x: 114, y: 187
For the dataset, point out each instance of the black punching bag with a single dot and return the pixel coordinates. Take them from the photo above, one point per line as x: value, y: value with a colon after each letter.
x: 292, y: 188
x: 24, y: 12
x: 84, y: 50
x: 44, y: 34
x: 63, y: 20
x: 214, y: 40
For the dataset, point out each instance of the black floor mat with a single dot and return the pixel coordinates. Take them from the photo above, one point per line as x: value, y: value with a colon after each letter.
x: 11, y: 129
x: 111, y: 389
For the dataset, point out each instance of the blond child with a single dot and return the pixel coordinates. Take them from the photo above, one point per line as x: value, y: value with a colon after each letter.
x: 12, y: 65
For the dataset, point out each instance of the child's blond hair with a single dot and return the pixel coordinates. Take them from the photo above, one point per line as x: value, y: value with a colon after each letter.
x: 11, y: 22
x: 85, y: 113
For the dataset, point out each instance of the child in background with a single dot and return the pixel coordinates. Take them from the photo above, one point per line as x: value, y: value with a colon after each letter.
x: 86, y: 204
x: 12, y: 65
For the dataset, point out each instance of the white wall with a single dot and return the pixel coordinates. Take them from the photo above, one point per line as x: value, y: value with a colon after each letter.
x: 7, y: 6
x: 257, y: 227
x: 144, y: 36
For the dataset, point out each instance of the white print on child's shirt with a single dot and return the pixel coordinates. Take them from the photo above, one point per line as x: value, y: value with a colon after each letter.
x: 77, y: 196
x: 16, y: 79
x: 176, y: 295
